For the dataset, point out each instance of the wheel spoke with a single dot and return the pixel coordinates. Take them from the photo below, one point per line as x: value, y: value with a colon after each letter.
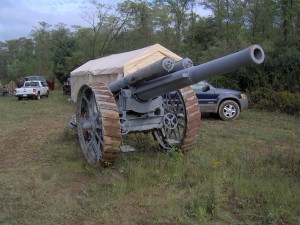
x: 99, y: 127
x: 89, y: 143
x: 96, y: 150
x: 172, y: 102
x: 98, y: 136
x: 181, y: 124
x: 175, y: 136
x: 179, y: 131
x: 92, y: 106
x: 85, y: 98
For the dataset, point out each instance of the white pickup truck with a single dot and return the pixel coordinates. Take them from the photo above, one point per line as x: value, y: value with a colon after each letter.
x: 32, y: 89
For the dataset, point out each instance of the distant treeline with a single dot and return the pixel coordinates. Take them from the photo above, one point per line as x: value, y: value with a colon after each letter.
x: 55, y: 50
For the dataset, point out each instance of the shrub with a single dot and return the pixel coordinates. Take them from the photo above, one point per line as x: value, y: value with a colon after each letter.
x: 283, y: 101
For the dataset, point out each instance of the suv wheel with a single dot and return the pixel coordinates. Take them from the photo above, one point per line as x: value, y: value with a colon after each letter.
x: 229, y: 110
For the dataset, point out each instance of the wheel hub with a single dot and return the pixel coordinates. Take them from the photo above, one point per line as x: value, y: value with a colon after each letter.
x: 88, y: 125
x: 170, y: 121
x: 229, y: 111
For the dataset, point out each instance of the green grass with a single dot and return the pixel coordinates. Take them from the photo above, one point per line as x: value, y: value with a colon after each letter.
x: 241, y: 172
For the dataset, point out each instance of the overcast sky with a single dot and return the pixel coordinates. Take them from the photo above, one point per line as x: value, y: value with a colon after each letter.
x: 19, y: 17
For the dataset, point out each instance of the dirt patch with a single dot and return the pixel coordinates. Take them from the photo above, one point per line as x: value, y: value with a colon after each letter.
x: 17, y: 145
x: 74, y: 186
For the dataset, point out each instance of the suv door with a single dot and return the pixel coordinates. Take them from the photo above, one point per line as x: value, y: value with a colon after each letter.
x: 206, y: 96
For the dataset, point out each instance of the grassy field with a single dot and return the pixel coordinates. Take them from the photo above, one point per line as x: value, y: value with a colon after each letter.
x: 242, y: 172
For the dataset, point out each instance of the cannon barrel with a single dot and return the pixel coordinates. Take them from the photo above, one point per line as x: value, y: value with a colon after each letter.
x: 152, y: 71
x: 186, y: 77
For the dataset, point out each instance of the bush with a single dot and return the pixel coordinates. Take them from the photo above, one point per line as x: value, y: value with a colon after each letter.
x: 283, y: 101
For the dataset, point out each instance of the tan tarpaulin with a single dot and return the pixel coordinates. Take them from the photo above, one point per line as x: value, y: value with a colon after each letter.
x: 113, y: 67
x: 11, y: 86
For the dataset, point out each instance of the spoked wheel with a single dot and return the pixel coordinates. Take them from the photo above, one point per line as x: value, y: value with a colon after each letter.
x: 181, y: 122
x: 98, y: 124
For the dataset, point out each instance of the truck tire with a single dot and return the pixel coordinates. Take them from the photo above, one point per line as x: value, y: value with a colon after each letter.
x: 47, y: 94
x: 38, y: 96
x: 20, y: 98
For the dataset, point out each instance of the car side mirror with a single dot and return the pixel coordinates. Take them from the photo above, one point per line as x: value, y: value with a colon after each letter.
x: 206, y: 88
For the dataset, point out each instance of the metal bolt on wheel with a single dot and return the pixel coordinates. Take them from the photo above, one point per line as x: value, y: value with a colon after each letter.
x: 98, y: 124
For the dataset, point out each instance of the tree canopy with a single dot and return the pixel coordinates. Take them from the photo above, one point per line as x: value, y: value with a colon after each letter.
x: 55, y: 50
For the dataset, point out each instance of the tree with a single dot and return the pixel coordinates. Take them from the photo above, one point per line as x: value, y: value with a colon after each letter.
x: 43, y: 46
x: 139, y: 25
x: 178, y: 9
x: 64, y: 45
x: 16, y: 69
x: 200, y: 38
x: 4, y: 59
x: 105, y: 24
x: 218, y: 8
x: 16, y: 57
x: 229, y: 16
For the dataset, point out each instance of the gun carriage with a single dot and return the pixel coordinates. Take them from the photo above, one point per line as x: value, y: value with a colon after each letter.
x: 156, y: 98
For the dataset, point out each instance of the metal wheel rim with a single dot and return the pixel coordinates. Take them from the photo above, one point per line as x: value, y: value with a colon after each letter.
x: 89, y: 126
x: 229, y: 111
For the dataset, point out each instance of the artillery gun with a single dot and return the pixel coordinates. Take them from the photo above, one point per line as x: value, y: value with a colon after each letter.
x: 157, y: 98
